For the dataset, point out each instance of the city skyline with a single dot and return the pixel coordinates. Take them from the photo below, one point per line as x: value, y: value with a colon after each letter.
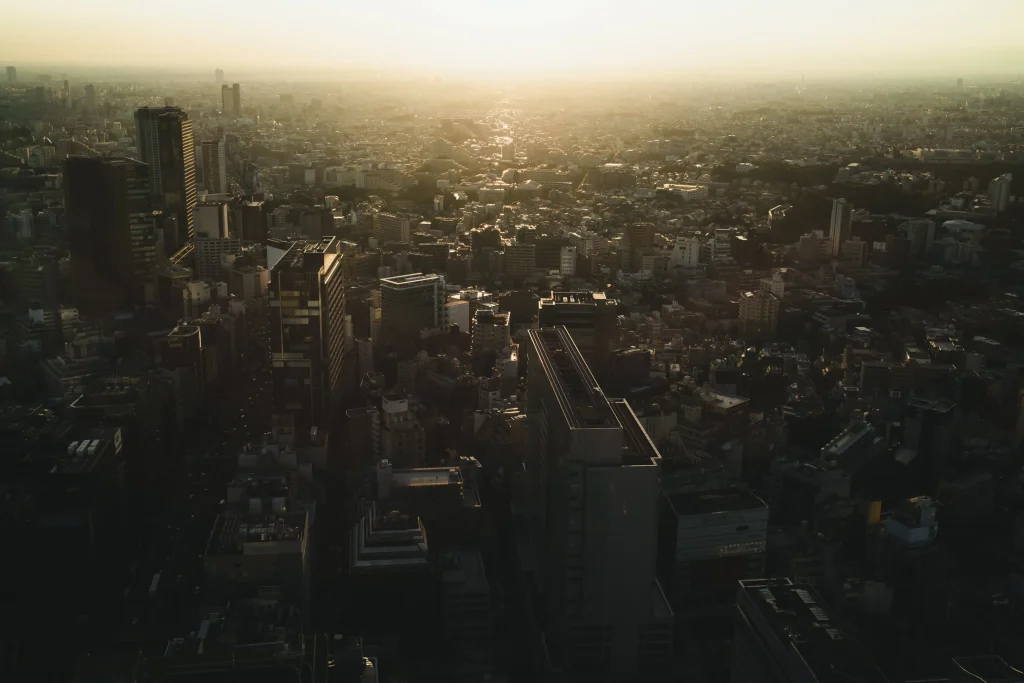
x: 685, y: 40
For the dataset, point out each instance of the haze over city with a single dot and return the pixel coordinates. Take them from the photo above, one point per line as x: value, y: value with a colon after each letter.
x: 564, y: 341
x: 533, y: 39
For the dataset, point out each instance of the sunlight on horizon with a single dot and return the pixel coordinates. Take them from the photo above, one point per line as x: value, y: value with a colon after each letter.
x: 529, y: 38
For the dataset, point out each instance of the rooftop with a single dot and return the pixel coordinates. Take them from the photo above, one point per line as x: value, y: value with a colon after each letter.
x: 411, y: 279
x: 427, y: 476
x: 574, y: 298
x: 239, y: 534
x: 799, y: 621
x: 711, y: 502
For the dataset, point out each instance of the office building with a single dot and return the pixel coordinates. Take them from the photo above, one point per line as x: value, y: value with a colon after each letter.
x: 12, y: 74
x: 593, y: 478
x: 113, y: 232
x: 389, y: 227
x: 590, y: 317
x: 520, y: 260
x: 999, y: 192
x: 210, y: 220
x: 215, y: 168
x: 410, y: 305
x: 252, y: 220
x: 402, y: 439
x: 307, y: 333
x: 210, y: 256
x: 758, y: 314
x: 164, y: 139
x: 231, y: 100
x: 686, y: 252
x: 921, y: 233
x: 490, y: 330
x: 785, y: 633
x: 855, y: 253
x: 183, y: 365
x: 710, y: 540
x: 774, y: 285
x: 218, y: 75
x: 567, y: 263
x: 639, y: 236
x: 841, y: 225
x: 362, y: 429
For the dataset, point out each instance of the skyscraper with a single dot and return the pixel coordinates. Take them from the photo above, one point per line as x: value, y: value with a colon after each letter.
x: 218, y: 75
x: 594, y: 479
x: 410, y: 304
x: 12, y: 74
x: 999, y: 192
x: 307, y: 333
x: 231, y: 100
x: 164, y: 138
x: 841, y: 225
x: 113, y: 231
x: 215, y: 169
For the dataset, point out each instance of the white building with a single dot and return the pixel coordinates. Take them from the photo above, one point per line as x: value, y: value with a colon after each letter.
x: 774, y: 285
x: 688, y: 193
x: 389, y: 227
x: 686, y: 252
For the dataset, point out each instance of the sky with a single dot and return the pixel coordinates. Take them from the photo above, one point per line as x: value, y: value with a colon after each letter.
x: 484, y: 39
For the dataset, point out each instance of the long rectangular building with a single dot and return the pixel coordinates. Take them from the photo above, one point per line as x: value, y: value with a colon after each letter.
x: 594, y: 477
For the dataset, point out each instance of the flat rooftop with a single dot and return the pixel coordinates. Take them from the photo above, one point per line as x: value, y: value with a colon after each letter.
x: 574, y: 298
x: 234, y: 533
x: 426, y: 476
x: 800, y: 621
x: 711, y: 502
x: 583, y: 402
x: 412, y: 279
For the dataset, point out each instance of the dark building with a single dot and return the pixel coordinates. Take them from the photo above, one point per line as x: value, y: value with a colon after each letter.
x: 253, y: 222
x: 549, y: 252
x: 231, y: 100
x: 164, y: 139
x: 590, y: 317
x: 593, y: 477
x: 410, y: 304
x: 112, y: 231
x: 785, y: 633
x: 307, y: 332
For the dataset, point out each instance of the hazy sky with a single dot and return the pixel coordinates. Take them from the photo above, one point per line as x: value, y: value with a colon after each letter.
x: 755, y: 38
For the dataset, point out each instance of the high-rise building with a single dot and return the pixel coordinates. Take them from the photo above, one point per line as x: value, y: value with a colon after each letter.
x: 183, y: 361
x: 164, y: 139
x: 785, y: 633
x: 253, y: 222
x: 841, y: 225
x: 686, y: 252
x: 591, y: 318
x: 921, y: 233
x: 999, y: 192
x: 213, y: 240
x: 710, y: 540
x: 218, y: 75
x: 215, y: 167
x: 307, y: 333
x: 12, y: 74
x: 490, y: 330
x: 90, y: 97
x: 113, y: 231
x: 231, y: 100
x: 520, y: 259
x: 594, y: 479
x: 409, y: 305
x: 389, y: 227
x: 758, y: 314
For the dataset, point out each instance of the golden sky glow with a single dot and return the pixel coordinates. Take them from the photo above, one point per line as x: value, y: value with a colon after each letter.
x: 754, y: 38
